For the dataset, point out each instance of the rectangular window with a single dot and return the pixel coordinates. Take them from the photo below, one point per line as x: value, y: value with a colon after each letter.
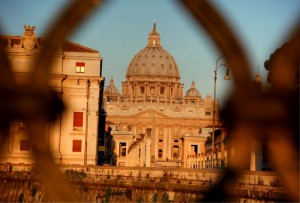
x: 194, y: 149
x: 80, y: 67
x: 24, y: 145
x: 22, y: 125
x: 122, y: 149
x: 207, y: 113
x: 160, y: 140
x: 78, y: 121
x: 76, y: 146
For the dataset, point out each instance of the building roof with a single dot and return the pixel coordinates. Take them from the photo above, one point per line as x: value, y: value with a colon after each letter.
x: 67, y: 46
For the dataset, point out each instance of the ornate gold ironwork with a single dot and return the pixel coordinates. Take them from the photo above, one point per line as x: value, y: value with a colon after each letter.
x: 253, y: 114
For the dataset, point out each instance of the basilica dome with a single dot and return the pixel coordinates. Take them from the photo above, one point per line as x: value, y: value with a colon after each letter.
x: 193, y: 92
x: 153, y: 62
x: 111, y: 89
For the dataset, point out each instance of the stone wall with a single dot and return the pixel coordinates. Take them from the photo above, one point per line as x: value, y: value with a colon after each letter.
x: 127, y: 184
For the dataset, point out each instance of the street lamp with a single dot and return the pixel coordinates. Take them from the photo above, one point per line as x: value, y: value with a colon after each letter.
x: 227, y: 77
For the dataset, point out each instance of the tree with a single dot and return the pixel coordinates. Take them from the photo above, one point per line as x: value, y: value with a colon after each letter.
x: 276, y: 56
x: 154, y: 197
x: 165, y: 197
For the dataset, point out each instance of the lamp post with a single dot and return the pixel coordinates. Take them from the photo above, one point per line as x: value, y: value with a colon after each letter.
x: 227, y: 77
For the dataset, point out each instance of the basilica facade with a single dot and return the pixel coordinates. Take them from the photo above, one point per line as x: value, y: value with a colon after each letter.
x: 154, y: 123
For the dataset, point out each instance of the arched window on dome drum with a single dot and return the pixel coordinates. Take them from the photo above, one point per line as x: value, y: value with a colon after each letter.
x: 162, y: 90
x: 142, y: 90
x: 152, y: 90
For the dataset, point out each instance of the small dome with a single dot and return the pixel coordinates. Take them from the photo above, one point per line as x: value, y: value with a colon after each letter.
x: 193, y: 92
x: 153, y: 60
x: 111, y: 89
x: 257, y: 78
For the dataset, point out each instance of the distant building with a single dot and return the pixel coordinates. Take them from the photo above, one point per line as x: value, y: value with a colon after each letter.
x: 76, y: 75
x: 153, y: 122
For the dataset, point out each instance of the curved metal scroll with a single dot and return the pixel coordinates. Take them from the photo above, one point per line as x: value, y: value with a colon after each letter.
x: 41, y: 103
x: 253, y: 114
x: 247, y: 108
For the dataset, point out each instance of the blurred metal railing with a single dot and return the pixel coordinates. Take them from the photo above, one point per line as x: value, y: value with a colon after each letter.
x: 250, y: 113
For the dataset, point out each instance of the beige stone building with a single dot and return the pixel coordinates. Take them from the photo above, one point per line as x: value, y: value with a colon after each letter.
x: 154, y: 123
x: 75, y: 75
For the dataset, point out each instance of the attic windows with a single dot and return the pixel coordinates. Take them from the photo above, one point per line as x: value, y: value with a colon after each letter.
x: 207, y: 113
x: 80, y: 67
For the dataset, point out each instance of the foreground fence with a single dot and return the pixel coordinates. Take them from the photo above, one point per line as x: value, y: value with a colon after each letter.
x: 249, y: 113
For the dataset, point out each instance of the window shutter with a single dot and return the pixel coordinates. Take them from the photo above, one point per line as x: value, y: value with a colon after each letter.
x: 24, y: 145
x: 80, y: 64
x: 76, y: 146
x: 78, y: 120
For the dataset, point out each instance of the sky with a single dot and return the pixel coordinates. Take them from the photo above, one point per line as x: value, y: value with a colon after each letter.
x: 120, y: 29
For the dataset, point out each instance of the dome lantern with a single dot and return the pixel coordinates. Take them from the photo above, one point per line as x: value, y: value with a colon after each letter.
x: 153, y: 39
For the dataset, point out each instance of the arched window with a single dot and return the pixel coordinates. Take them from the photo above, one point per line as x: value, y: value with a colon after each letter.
x: 142, y: 90
x: 175, y: 152
x: 162, y: 90
x: 160, y: 153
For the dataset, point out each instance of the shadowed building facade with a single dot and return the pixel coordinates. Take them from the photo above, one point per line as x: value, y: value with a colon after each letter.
x: 75, y: 75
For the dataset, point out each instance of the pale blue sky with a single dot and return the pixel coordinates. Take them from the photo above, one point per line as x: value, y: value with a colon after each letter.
x: 120, y: 29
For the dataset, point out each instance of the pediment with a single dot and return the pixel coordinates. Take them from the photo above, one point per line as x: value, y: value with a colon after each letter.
x: 150, y: 113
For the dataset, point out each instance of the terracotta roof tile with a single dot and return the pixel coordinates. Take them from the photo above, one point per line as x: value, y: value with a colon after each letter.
x: 67, y: 46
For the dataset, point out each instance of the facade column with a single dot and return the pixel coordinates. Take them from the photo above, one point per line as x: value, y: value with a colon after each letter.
x: 252, y: 156
x: 176, y: 91
x: 124, y: 89
x: 183, y: 153
x: 181, y: 91
x: 133, y: 90
x: 165, y: 142
x: 158, y: 92
x: 148, y: 139
x: 130, y: 91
